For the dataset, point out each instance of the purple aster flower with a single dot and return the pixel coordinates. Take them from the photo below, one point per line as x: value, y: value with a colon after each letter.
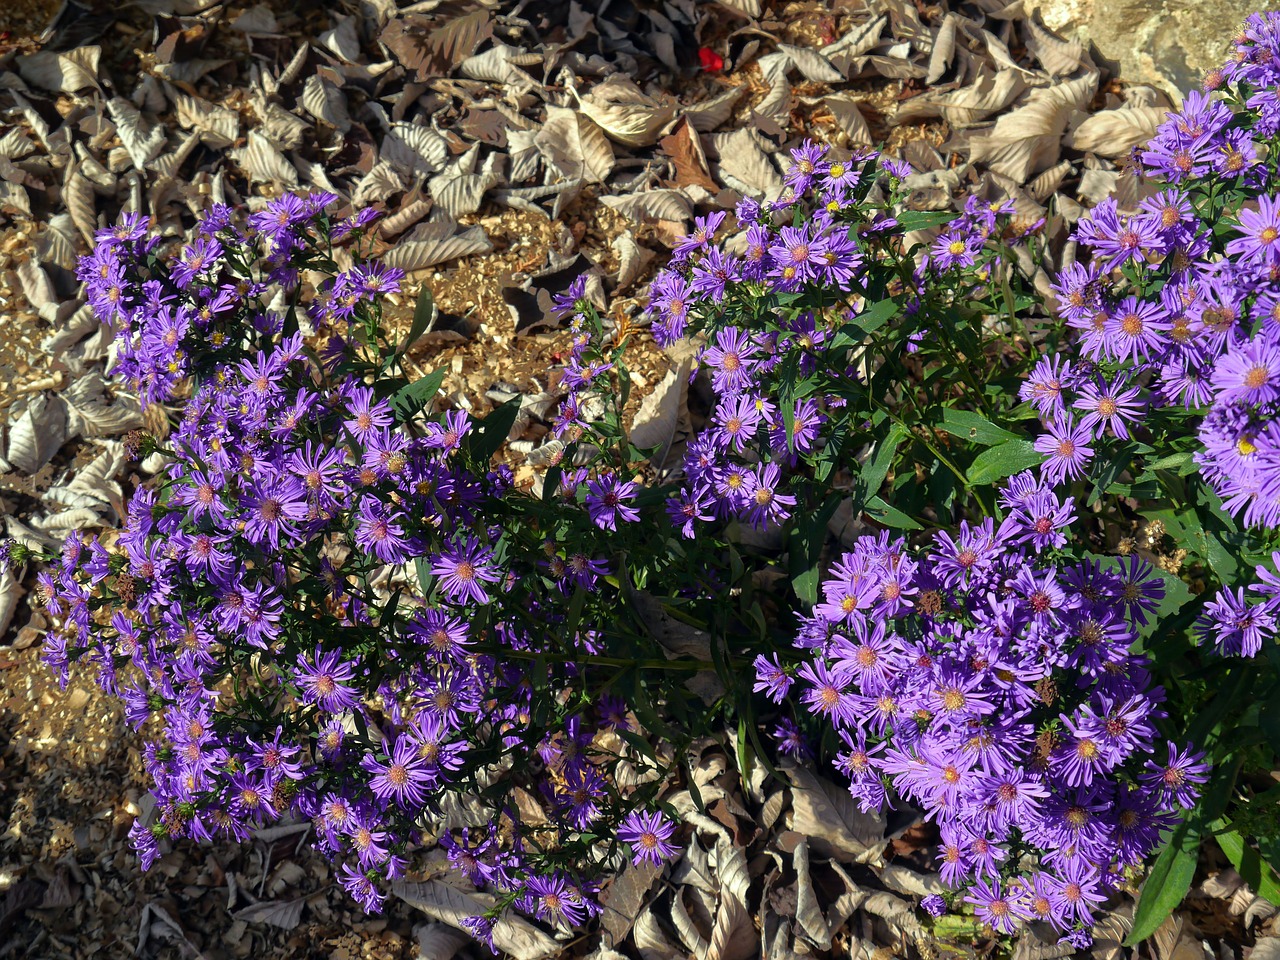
x: 790, y: 740
x: 1261, y: 229
x: 1233, y: 625
x: 687, y: 508
x: 1135, y: 330
x: 1249, y: 373
x: 1178, y: 781
x: 1109, y: 405
x: 649, y: 834
x: 771, y: 678
x: 1068, y: 450
x: 1003, y: 912
x: 403, y: 776
x: 1043, y: 389
x: 324, y: 680
x: 934, y: 905
x: 608, y: 501
x: 765, y: 504
x: 714, y: 272
x: 955, y: 249
x: 378, y: 532
x: 463, y: 568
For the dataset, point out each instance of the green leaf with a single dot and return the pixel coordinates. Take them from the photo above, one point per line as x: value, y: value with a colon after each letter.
x: 970, y: 425
x: 804, y: 551
x: 877, y: 467
x: 1003, y: 461
x: 484, y: 442
x: 1167, y: 883
x: 411, y: 398
x: 923, y: 219
x: 421, y: 317
x: 882, y: 512
x: 1259, y: 875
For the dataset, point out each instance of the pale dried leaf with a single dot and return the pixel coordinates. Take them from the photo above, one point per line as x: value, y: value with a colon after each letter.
x: 417, y: 149
x: 325, y: 102
x: 257, y: 19
x: 263, y: 163
x: 708, y: 114
x: 343, y: 40
x: 439, y: 941
x: 574, y: 146
x: 813, y: 65
x: 37, y: 433
x: 828, y: 815
x: 744, y: 166
x: 1027, y: 140
x: 808, y: 913
x: 651, y: 941
x: 419, y: 254
x: 734, y: 936
x: 662, y: 414
x: 748, y: 8
x: 1059, y: 57
x: 651, y: 205
x: 285, y: 914
x: 731, y: 869
x: 79, y: 196
x: 902, y: 879
x: 944, y: 49
x: 142, y: 140
x: 632, y: 259
x: 10, y: 594
x: 690, y: 935
x: 1113, y: 133
x: 511, y: 934
x: 62, y: 72
x: 378, y: 184
x: 860, y: 40
x: 623, y: 899
x: 625, y: 112
x: 282, y: 128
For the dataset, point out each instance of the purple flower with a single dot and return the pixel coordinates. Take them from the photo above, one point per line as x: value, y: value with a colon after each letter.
x: 934, y: 905
x: 608, y: 501
x: 1067, y: 446
x: 771, y: 678
x: 649, y: 834
x: 463, y: 568
x: 1109, y: 405
x: 403, y: 776
x: 1261, y: 229
x: 1233, y: 625
x: 1178, y: 781
x: 993, y: 906
x: 324, y: 681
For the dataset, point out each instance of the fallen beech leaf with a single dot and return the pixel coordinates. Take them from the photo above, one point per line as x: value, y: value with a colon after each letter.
x: 1113, y: 133
x: 622, y: 900
x: 285, y: 914
x: 684, y: 148
x: 625, y: 112
x: 574, y: 146
x: 512, y: 933
x: 829, y: 817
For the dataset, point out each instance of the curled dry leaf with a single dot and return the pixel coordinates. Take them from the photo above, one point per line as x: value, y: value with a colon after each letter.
x: 37, y: 433
x: 624, y: 898
x: 574, y: 146
x: 263, y: 163
x: 285, y: 914
x: 141, y: 139
x: 744, y: 166
x: 436, y: 244
x: 829, y: 817
x: 652, y: 205
x: 632, y: 259
x: 1027, y: 140
x: 808, y: 913
x: 512, y: 933
x: 625, y: 112
x: 62, y: 72
x: 663, y: 416
x: 684, y: 147
x: 439, y: 941
x: 813, y: 65
x: 10, y: 594
x: 1113, y: 133
x: 706, y: 115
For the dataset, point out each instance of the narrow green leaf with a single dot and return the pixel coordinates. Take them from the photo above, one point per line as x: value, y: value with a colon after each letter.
x: 421, y: 317
x: 971, y: 425
x: 1167, y: 883
x: 882, y: 512
x: 411, y: 398
x: 1259, y: 875
x: 1003, y: 461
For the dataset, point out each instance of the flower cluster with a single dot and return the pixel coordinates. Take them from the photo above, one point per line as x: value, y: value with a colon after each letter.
x: 1178, y: 308
x: 792, y: 310
x: 319, y: 601
x: 994, y: 687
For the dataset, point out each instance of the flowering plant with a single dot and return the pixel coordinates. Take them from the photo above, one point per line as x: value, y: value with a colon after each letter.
x: 1163, y: 407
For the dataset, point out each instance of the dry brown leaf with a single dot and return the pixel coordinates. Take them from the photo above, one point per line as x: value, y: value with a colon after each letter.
x: 1059, y: 57
x: 1113, y: 133
x: 812, y: 64
x: 625, y: 112
x: 684, y: 148
x: 263, y: 163
x: 748, y: 8
x: 142, y: 140
x: 829, y: 817
x: 512, y: 933
x: 744, y: 166
x: 62, y: 72
x: 415, y: 149
x: 663, y: 415
x: 650, y: 205
x: 708, y: 114
x: 1027, y: 140
x: 624, y: 898
x: 324, y: 101
x: 37, y: 433
x: 944, y: 49
x: 651, y: 940
x: 632, y: 259
x: 285, y: 914
x: 808, y: 913
x: 431, y: 48
x: 437, y: 246
x: 574, y: 146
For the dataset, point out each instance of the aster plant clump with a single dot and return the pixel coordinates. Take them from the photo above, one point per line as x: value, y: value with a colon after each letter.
x: 1160, y: 407
x: 989, y: 680
x: 334, y: 606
